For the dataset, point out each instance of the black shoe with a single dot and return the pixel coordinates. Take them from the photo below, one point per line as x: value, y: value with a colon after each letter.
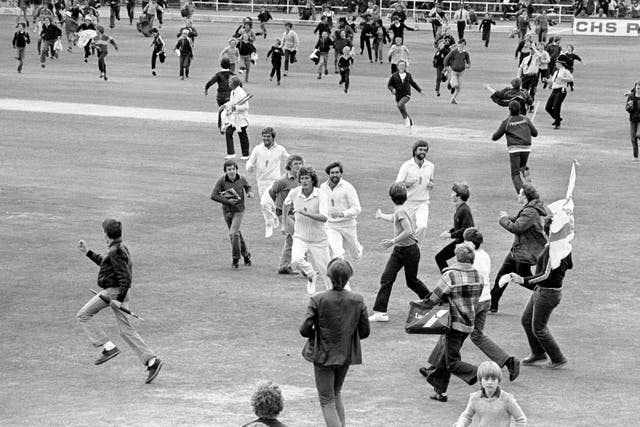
x: 437, y: 93
x: 234, y: 264
x: 533, y: 358
x: 439, y: 397
x: 493, y: 310
x: 107, y: 355
x: 513, y: 365
x: 287, y: 270
x: 425, y: 372
x: 247, y: 260
x: 154, y: 370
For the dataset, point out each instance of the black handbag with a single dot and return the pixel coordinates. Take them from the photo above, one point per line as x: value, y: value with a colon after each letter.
x: 428, y: 318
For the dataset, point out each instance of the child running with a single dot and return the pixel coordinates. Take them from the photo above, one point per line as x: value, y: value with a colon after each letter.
x: 231, y: 53
x: 263, y: 17
x: 492, y: 406
x: 158, y: 45
x: 20, y: 41
x: 276, y: 54
x: 400, y: 85
x: 101, y: 44
x: 184, y: 49
x: 344, y: 65
x: 485, y: 27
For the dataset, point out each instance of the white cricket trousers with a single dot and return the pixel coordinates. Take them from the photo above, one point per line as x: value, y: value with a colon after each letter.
x: 344, y: 240
x: 317, y: 258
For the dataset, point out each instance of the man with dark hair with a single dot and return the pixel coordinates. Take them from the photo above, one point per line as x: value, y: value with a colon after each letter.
x: 344, y: 207
x: 460, y: 285
x: 230, y: 190
x: 528, y: 240
x: 518, y: 130
x: 406, y: 253
x: 457, y: 61
x: 278, y: 193
x: 515, y: 92
x: 310, y: 248
x: 417, y: 176
x: 114, y: 278
x: 462, y: 219
x: 222, y: 79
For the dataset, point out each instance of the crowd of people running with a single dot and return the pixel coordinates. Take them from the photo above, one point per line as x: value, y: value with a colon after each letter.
x: 318, y: 220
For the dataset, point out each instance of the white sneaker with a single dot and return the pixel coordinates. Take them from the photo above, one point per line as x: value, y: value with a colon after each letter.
x: 230, y: 156
x: 268, y: 229
x: 311, y: 283
x: 378, y: 317
x: 244, y: 158
x: 407, y: 122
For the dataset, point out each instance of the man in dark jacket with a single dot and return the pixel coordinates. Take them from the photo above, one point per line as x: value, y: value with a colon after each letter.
x: 528, y: 240
x: 513, y: 93
x: 222, y: 79
x: 633, y: 108
x: 462, y: 219
x: 114, y: 278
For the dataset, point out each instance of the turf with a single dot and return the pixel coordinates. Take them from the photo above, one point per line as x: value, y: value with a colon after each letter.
x: 221, y: 331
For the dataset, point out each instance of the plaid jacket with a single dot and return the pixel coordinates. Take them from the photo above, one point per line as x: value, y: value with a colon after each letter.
x: 461, y: 285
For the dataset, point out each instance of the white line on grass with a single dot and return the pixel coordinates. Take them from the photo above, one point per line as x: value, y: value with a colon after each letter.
x: 302, y: 123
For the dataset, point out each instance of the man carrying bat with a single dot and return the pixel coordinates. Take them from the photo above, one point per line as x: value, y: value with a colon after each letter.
x: 114, y: 278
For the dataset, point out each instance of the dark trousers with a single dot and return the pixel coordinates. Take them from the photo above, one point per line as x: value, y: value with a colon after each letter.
x: 87, y: 50
x: 439, y: 72
x: 486, y: 35
x: 633, y: 127
x: 402, y: 106
x: 275, y: 70
x: 402, y: 256
x: 130, y: 9
x: 102, y: 66
x: 185, y: 63
x: 554, y: 105
x: 344, y: 77
x: 329, y: 380
x: 154, y: 56
x: 518, y: 162
x: 509, y: 265
x: 244, y: 140
x: 446, y: 254
x: 47, y: 46
x: 451, y: 363
x: 115, y: 14
x: 530, y: 84
x: 160, y: 15
x: 534, y: 321
x: 394, y: 68
x: 461, y: 26
x: 434, y: 28
x: 364, y: 40
x: 287, y: 59
x: 238, y: 246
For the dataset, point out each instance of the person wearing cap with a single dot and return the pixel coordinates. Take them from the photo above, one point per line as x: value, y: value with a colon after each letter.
x: 344, y: 208
x: 184, y: 48
x: 230, y: 190
x: 462, y: 219
x: 633, y: 108
x: 278, y: 194
x: 559, y: 83
x: 114, y: 277
x: 518, y: 130
x: 266, y: 161
x: 456, y: 62
x: 417, y: 176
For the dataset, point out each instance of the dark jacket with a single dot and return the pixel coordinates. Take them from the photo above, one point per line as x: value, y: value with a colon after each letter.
x: 462, y: 219
x: 185, y: 46
x: 398, y: 31
x: 50, y: 32
x: 115, y: 267
x: 324, y: 45
x: 21, y: 39
x: 529, y: 238
x: 504, y: 96
x: 402, y: 88
x: 336, y: 321
x: 519, y: 130
x: 633, y: 106
x: 222, y: 79
x: 222, y: 189
x: 546, y: 277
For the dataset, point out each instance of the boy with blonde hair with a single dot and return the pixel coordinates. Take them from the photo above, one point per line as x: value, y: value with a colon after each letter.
x: 493, y: 406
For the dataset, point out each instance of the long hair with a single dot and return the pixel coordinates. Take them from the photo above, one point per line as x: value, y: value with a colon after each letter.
x: 308, y: 171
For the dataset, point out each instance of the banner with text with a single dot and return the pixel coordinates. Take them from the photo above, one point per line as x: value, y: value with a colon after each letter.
x: 606, y: 27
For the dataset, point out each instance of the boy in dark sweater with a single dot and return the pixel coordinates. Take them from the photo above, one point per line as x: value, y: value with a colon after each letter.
x: 263, y: 17
x: 276, y: 53
x: 20, y: 41
x: 222, y: 79
x: 519, y: 130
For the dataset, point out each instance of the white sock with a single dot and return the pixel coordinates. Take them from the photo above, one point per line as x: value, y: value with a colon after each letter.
x: 151, y: 361
x: 109, y: 346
